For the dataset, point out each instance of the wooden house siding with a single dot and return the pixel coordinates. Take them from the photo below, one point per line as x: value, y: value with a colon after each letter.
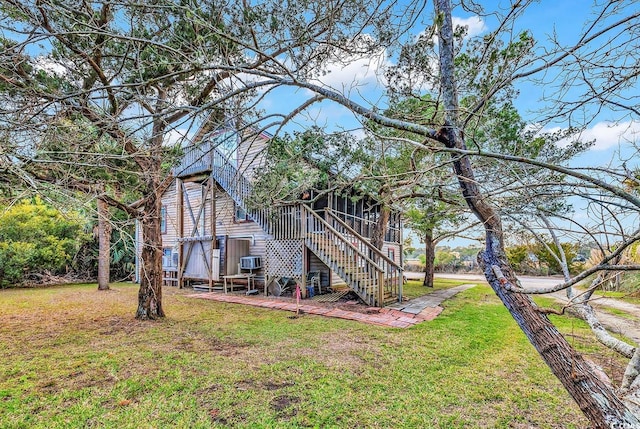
x: 194, y: 195
x: 170, y: 235
x: 393, y: 251
x: 326, y: 275
x: 251, y: 154
x: 248, y: 230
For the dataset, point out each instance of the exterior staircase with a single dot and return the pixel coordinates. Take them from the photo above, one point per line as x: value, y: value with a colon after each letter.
x: 369, y: 273
x: 375, y: 278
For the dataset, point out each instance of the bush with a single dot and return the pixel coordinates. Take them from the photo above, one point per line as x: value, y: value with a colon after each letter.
x: 535, y: 259
x: 36, y: 238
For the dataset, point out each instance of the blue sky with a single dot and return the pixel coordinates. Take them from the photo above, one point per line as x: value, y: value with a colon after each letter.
x: 563, y: 18
x: 361, y: 79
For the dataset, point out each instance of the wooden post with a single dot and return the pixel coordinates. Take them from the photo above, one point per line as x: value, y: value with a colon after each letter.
x: 304, y: 219
x: 401, y: 273
x: 214, y: 214
x: 305, y: 261
x: 212, y: 229
x: 381, y: 289
x: 180, y: 215
x: 360, y: 218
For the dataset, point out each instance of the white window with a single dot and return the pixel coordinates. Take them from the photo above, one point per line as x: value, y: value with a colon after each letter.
x: 241, y: 215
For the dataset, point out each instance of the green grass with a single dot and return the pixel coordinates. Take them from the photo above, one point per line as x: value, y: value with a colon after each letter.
x: 629, y: 290
x: 617, y: 312
x: 414, y: 288
x: 74, y: 357
x: 630, y: 297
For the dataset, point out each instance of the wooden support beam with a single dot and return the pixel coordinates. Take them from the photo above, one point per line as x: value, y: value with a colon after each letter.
x: 180, y: 232
x: 212, y: 226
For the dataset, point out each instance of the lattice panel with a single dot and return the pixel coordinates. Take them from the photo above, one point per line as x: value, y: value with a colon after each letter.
x: 284, y: 258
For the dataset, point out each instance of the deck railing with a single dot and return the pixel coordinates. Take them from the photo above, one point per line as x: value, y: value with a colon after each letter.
x: 285, y: 222
x: 365, y: 227
x: 361, y: 273
x: 196, y: 159
x: 393, y: 278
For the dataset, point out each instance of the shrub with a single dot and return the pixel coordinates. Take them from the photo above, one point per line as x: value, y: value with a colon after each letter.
x: 36, y: 238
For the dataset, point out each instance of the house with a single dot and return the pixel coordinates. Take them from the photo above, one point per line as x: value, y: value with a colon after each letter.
x: 210, y: 232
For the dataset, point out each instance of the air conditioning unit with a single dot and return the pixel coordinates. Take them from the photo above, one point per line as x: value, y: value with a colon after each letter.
x: 250, y: 262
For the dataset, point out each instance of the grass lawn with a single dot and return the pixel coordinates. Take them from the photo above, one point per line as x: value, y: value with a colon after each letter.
x: 617, y: 312
x: 630, y: 297
x: 75, y: 357
x: 414, y: 288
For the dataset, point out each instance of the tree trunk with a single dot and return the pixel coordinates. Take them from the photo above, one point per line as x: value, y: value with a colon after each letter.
x: 430, y: 258
x: 596, y: 399
x: 104, y: 245
x: 150, y: 293
x: 377, y: 238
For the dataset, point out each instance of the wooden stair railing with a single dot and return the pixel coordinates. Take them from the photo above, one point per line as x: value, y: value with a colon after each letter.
x: 236, y: 185
x: 280, y: 221
x: 393, y: 277
x: 361, y: 273
x: 195, y: 159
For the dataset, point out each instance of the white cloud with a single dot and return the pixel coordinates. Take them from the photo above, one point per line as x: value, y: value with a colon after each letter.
x: 357, y: 71
x: 610, y: 134
x: 352, y: 71
x: 176, y: 136
x: 358, y: 133
x: 606, y: 135
x: 49, y: 65
x: 475, y: 25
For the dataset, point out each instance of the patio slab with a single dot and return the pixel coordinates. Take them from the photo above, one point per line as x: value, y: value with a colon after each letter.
x: 399, y: 315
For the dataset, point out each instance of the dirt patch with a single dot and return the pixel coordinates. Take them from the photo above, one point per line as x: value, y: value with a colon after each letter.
x: 76, y: 380
x: 206, y: 391
x: 610, y: 364
x: 349, y: 302
x: 199, y: 344
x: 118, y: 325
x: 245, y: 385
x: 285, y: 406
x: 47, y: 387
x: 214, y: 415
x: 269, y: 385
